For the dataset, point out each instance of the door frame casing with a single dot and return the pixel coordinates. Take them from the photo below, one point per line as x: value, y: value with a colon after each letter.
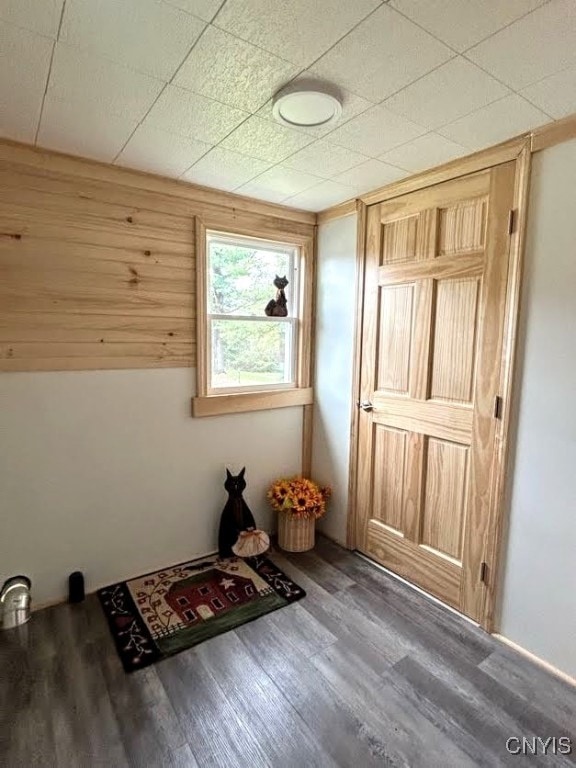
x: 519, y: 151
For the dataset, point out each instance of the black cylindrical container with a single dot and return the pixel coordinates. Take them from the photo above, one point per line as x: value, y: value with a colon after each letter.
x: 76, y: 587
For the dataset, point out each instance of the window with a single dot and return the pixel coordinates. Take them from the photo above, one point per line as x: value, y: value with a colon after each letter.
x: 248, y: 350
x: 249, y: 359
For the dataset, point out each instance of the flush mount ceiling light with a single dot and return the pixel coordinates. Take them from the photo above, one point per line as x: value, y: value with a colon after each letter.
x: 307, y: 105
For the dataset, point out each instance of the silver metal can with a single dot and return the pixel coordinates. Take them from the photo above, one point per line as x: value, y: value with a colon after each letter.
x: 15, y: 602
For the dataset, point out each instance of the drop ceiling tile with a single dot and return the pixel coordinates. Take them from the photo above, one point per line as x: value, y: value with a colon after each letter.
x: 369, y: 176
x: 301, y: 30
x: 424, y: 152
x: 147, y: 35
x: 352, y: 105
x: 24, y: 63
x: 322, y: 196
x: 451, y: 91
x: 498, y: 121
x: 80, y: 77
x: 224, y: 169
x: 382, y: 55
x: 261, y: 193
x: 42, y: 16
x: 555, y: 95
x: 463, y: 24
x: 204, y: 9
x: 265, y: 140
x: 232, y: 71
x: 538, y: 45
x: 150, y: 149
x: 375, y: 131
x: 324, y: 159
x: 196, y: 117
x: 279, y: 180
x: 79, y: 130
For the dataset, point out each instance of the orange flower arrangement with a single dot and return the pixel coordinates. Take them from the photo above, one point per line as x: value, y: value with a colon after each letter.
x: 299, y: 496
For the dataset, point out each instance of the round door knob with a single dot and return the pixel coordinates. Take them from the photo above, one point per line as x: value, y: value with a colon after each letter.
x: 366, y: 405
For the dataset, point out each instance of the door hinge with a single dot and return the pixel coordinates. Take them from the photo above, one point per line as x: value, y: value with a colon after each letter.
x: 484, y: 572
x: 511, y: 220
x: 498, y: 407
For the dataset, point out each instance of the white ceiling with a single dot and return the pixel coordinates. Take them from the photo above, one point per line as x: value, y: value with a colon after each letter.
x: 183, y: 87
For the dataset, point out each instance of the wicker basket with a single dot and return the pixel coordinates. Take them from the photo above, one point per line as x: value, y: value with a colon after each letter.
x: 295, y: 534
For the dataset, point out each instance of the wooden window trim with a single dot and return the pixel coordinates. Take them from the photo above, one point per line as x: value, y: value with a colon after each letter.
x: 217, y: 405
x: 206, y: 403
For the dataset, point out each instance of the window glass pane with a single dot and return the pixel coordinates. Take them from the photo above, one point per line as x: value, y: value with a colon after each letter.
x: 241, y: 278
x: 247, y: 353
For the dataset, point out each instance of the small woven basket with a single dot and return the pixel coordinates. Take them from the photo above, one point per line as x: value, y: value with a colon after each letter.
x: 295, y: 534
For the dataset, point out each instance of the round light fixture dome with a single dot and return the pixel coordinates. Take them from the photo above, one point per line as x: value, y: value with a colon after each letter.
x: 306, y: 106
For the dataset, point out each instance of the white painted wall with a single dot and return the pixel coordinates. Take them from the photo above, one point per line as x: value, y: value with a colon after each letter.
x: 106, y: 472
x: 336, y: 297
x: 539, y: 596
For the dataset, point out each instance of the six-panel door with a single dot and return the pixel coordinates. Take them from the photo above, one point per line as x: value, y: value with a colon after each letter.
x: 435, y: 290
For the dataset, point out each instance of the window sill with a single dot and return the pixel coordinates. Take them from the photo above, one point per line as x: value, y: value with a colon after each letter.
x: 217, y: 405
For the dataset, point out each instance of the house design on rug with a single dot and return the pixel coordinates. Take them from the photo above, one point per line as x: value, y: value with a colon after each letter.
x: 209, y: 593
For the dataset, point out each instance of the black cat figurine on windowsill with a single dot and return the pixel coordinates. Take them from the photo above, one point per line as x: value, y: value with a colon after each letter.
x: 278, y: 307
x: 236, y: 515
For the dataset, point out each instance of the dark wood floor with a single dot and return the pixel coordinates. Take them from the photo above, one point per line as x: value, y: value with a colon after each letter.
x: 363, y: 672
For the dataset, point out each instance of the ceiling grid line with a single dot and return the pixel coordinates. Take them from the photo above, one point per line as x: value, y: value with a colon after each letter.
x: 510, y: 90
x: 208, y: 21
x: 184, y: 88
x: 237, y: 37
x: 466, y: 114
x: 279, y: 163
x: 482, y: 40
x: 541, y: 80
x: 45, y: 91
x: 371, y: 104
x: 326, y: 136
x: 456, y: 55
x: 295, y: 78
x: 166, y: 84
x: 49, y: 72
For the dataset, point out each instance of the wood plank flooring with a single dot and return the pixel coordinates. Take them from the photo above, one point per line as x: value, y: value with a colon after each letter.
x: 363, y: 672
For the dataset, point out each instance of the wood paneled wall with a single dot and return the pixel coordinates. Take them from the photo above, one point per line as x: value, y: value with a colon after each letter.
x: 91, y: 277
x: 97, y: 263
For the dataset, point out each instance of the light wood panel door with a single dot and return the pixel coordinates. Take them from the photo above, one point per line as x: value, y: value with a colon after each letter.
x: 434, y: 310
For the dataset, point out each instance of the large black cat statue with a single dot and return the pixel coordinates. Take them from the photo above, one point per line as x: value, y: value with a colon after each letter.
x: 236, y: 515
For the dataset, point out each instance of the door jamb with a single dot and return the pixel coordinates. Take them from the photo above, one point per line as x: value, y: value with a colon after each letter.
x: 518, y: 150
x: 361, y: 209
x: 499, y: 506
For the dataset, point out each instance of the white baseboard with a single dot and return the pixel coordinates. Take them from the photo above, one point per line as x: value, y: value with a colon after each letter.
x: 536, y: 659
x: 527, y: 654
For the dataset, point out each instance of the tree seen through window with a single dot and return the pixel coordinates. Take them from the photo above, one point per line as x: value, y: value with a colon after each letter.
x: 247, y: 348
